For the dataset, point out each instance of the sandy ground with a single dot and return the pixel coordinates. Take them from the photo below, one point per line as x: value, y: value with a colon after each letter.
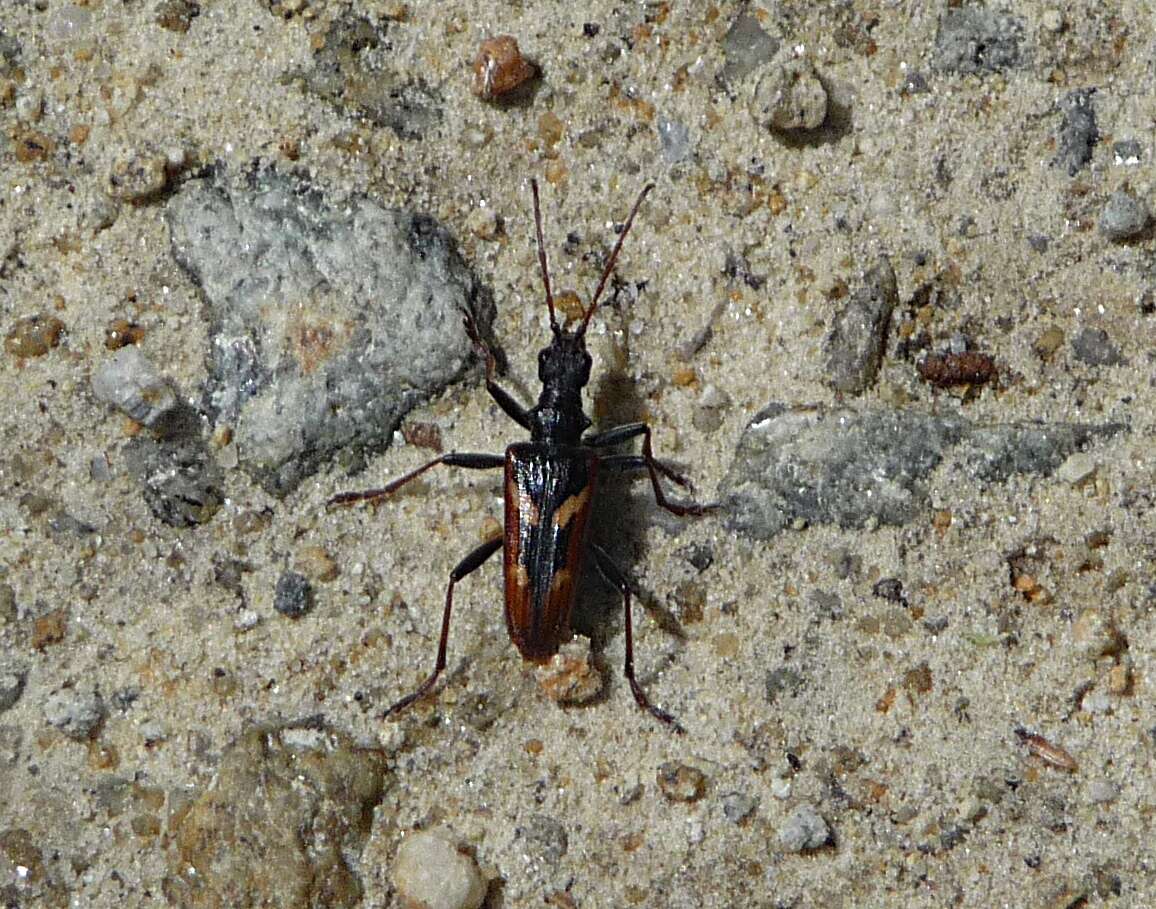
x: 1025, y: 604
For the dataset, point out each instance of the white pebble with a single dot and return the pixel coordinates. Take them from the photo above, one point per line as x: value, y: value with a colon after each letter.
x: 430, y: 873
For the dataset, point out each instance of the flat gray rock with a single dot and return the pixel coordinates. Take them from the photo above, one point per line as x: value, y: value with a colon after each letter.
x: 859, y: 334
x: 330, y: 318
x: 853, y: 468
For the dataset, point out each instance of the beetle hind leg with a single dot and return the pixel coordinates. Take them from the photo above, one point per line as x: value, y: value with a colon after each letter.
x: 466, y: 566
x: 614, y: 576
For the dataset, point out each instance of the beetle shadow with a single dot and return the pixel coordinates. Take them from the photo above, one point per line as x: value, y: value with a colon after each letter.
x: 623, y: 509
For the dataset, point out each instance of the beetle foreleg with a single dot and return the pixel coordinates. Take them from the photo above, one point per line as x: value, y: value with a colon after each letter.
x: 510, y: 407
x: 452, y: 459
x: 614, y: 576
x: 466, y: 566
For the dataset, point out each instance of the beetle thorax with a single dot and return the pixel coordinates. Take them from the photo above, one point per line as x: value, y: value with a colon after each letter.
x: 564, y: 370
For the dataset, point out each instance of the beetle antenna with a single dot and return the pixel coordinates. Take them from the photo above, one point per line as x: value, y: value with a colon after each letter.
x: 542, y: 256
x: 613, y: 257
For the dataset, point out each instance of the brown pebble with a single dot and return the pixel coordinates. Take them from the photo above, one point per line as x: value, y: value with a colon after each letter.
x: 49, y: 629
x: 30, y: 146
x: 316, y: 563
x: 423, y: 435
x: 568, y: 303
x: 570, y: 677
x: 33, y: 336
x: 681, y: 782
x: 500, y: 68
x: 121, y: 332
x: 946, y: 370
x: 1120, y: 680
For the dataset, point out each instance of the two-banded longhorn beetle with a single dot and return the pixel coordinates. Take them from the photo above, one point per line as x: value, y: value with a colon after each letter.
x: 550, y: 484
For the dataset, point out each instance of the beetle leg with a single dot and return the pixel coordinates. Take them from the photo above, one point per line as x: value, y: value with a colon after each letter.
x: 638, y: 462
x: 614, y: 576
x: 510, y: 407
x: 654, y: 467
x: 466, y: 566
x: 452, y: 459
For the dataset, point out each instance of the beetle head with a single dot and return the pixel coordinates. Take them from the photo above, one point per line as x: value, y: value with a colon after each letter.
x: 565, y: 364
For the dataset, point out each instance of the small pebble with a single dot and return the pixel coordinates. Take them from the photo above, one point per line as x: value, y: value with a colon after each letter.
x: 1127, y: 151
x: 177, y: 15
x: 710, y: 409
x: 1046, y: 345
x: 138, y: 178
x: 1096, y: 635
x: 294, y: 595
x: 121, y: 333
x: 545, y: 838
x: 153, y: 731
x: 1103, y: 792
x: 33, y: 336
x: 8, y: 610
x: 315, y: 562
x: 674, y: 140
x: 430, y: 872
x: 738, y: 806
x: 500, y: 68
x: 30, y: 106
x: 11, y: 687
x: 1094, y: 347
x: 78, y: 714
x: 914, y: 83
x: 1098, y: 703
x: 133, y: 385
x: 484, y: 223
x: 1124, y: 216
x: 571, y: 677
x: 681, y: 782
x: 746, y: 47
x: 804, y: 829
x: 1120, y: 679
x: 790, y: 97
x: 1077, y: 469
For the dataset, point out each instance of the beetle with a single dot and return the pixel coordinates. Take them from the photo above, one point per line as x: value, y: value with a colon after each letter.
x: 550, y: 483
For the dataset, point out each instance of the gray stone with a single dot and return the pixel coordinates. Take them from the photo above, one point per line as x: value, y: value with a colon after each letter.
x: 1124, y: 216
x: 1094, y: 347
x: 1078, y: 133
x: 183, y: 486
x: 804, y: 829
x: 357, y: 70
x: 11, y: 686
x: 330, y: 319
x: 77, y: 713
x: 674, y: 140
x: 852, y: 469
x: 790, y: 97
x: 858, y: 337
x: 973, y: 39
x: 131, y: 383
x: 782, y: 681
x: 746, y: 47
x: 294, y: 595
x: 738, y: 806
x: 1127, y: 151
x: 545, y: 838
